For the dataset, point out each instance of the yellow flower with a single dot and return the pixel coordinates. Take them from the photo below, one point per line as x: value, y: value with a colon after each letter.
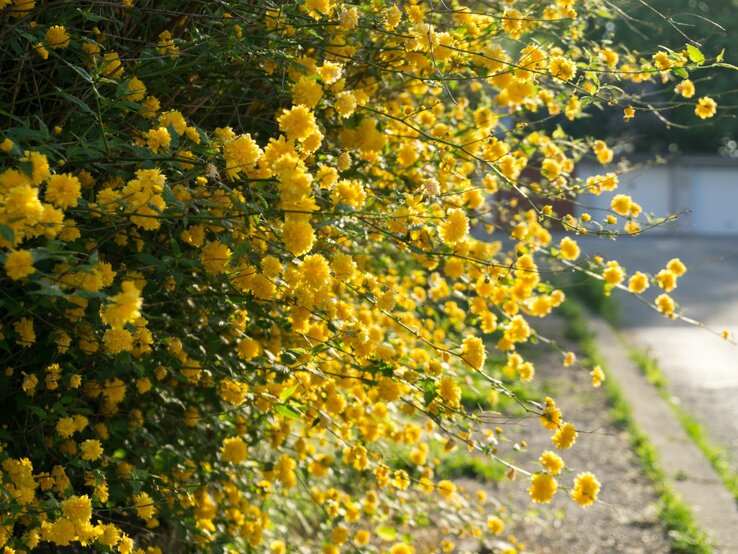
x: 234, y: 450
x: 40, y: 166
x: 91, y: 450
x: 66, y: 427
x: 248, y: 348
x: 24, y: 328
x: 297, y: 235
x: 166, y: 45
x: 662, y: 61
x: 77, y: 509
x: 22, y: 203
x: 620, y: 204
x: 315, y: 271
x: 676, y: 266
x: 118, y: 340
x: 149, y: 107
x: 123, y: 307
x: 550, y: 169
x: 685, y: 88
x: 109, y: 534
x: 307, y: 91
x: 446, y: 489
x: 598, y: 376
x: 362, y: 537
x: 145, y: 507
x: 126, y: 545
x: 569, y: 249
x: 41, y: 51
x: 401, y: 548
x: 135, y: 90
x: 706, y: 107
x: 19, y: 264
x: 562, y: 68
x: 62, y: 532
x: 278, y: 547
x: 392, y: 17
x: 551, y: 417
x: 472, y: 352
x: 345, y: 103
x: 158, y: 139
x: 318, y: 8
x: 552, y: 462
x: 455, y: 227
x: 175, y: 119
x: 57, y: 37
x: 7, y: 145
x: 449, y: 390
x: 20, y: 8
x: 111, y: 66
x: 666, y: 279
x: 143, y: 385
x: 63, y: 190
x: 30, y: 382
x: 297, y: 123
x: 638, y: 282
x: 495, y: 525
x: 343, y: 266
x: 609, y: 57
x: 349, y: 18
x: 628, y: 113
x: 215, y: 257
x: 330, y: 72
x: 665, y: 305
x: 613, y: 273
x: 565, y: 436
x: 542, y: 488
x: 586, y: 488
x: 241, y: 154
x: 233, y: 391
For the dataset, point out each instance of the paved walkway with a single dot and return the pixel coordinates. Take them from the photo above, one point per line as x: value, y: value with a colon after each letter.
x: 702, y: 369
x: 688, y: 472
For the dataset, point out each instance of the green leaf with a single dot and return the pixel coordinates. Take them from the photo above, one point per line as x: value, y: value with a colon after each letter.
x: 6, y: 233
x: 287, y: 411
x: 386, y: 533
x: 288, y: 358
x: 81, y: 72
x: 287, y: 393
x: 149, y: 259
x: 292, y: 355
x: 322, y: 347
x: 242, y: 248
x: 695, y: 56
x: 175, y: 247
x: 38, y: 411
x: 681, y: 72
x: 720, y: 56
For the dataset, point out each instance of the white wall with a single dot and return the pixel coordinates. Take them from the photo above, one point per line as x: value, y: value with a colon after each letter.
x: 703, y: 191
x: 715, y: 200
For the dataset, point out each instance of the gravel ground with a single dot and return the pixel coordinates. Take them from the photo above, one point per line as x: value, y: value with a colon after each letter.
x: 624, y: 520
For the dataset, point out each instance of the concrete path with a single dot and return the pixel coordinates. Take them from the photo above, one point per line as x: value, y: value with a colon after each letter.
x: 702, y: 368
x: 688, y: 472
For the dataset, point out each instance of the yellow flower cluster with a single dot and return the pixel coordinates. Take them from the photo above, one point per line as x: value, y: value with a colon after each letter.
x: 253, y: 257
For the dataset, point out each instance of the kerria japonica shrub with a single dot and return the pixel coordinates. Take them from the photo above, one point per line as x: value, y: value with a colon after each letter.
x: 253, y: 253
